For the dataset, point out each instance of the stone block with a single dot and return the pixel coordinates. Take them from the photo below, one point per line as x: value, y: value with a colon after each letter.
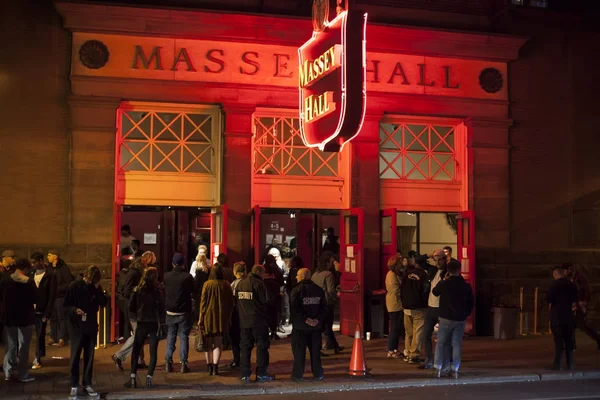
x: 99, y: 254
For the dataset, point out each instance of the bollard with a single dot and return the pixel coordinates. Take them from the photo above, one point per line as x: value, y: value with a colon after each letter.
x: 521, y: 312
x: 535, y: 310
x: 98, y: 338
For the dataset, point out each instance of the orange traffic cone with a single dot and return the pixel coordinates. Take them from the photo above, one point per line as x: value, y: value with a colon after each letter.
x: 358, y: 366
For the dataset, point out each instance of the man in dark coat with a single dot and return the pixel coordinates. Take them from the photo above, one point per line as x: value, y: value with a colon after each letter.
x: 308, y: 311
x: 562, y: 297
x: 58, y: 322
x: 45, y: 282
x: 251, y: 301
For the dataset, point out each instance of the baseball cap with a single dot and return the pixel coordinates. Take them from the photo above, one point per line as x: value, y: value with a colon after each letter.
x: 178, y: 259
x: 8, y: 253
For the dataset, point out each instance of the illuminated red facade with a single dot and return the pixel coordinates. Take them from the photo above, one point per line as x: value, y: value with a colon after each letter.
x: 460, y: 120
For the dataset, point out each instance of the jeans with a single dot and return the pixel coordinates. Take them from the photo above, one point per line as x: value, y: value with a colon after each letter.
x: 86, y: 343
x: 300, y: 341
x: 249, y: 336
x: 127, y: 347
x: 40, y: 337
x: 58, y: 321
x: 18, y: 339
x: 563, y: 341
x: 413, y: 326
x: 396, y: 326
x: 432, y: 317
x: 145, y: 329
x: 330, y: 340
x: 450, y: 333
x: 179, y: 325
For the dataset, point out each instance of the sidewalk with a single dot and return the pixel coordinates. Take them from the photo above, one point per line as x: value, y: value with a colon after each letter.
x: 485, y: 361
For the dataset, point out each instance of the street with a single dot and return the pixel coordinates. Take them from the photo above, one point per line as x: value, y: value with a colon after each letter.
x: 557, y: 390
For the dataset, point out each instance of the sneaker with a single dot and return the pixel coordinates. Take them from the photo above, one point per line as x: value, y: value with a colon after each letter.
x: 339, y: 349
x: 149, y: 384
x: 297, y: 379
x: 51, y: 342
x: 36, y: 364
x: 232, y: 365
x: 61, y: 343
x: 415, y: 360
x: 90, y: 392
x: 245, y: 379
x: 425, y: 366
x: 73, y: 393
x: 118, y: 362
x: 27, y: 378
x: 265, y: 378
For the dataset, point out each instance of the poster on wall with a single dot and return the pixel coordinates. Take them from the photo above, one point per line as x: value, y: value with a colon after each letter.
x: 150, y: 238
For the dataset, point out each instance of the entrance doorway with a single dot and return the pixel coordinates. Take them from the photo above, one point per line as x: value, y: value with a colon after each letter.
x: 293, y: 232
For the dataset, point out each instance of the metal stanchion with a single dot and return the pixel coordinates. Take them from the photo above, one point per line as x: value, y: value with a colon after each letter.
x: 521, y: 312
x: 98, y: 338
x: 535, y: 311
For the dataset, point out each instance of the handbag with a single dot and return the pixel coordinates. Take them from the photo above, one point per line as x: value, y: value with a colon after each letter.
x: 201, y: 340
x: 161, y: 332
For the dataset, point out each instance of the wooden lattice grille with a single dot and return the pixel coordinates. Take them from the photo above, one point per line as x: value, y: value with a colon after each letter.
x: 279, y: 150
x: 154, y: 141
x: 420, y: 152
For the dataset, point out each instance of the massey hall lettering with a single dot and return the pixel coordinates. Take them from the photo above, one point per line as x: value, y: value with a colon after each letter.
x: 252, y: 63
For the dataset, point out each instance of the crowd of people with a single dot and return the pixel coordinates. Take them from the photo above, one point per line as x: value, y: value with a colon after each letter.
x: 428, y: 291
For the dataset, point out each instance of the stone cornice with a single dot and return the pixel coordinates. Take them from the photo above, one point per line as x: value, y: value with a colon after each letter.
x: 281, y: 30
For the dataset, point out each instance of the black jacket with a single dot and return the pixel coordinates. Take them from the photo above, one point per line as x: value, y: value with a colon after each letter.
x: 127, y: 280
x: 307, y: 301
x: 179, y: 290
x: 147, y: 305
x: 251, y: 301
x: 414, y: 288
x: 18, y: 297
x: 456, y: 298
x: 45, y: 293
x: 561, y: 296
x: 87, y: 298
x: 63, y: 277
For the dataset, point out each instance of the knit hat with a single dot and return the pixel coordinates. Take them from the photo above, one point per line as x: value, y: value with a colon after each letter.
x: 178, y: 259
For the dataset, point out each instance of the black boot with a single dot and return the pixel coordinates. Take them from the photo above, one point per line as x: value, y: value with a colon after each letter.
x: 215, y: 370
x: 569, y: 359
x: 210, y: 369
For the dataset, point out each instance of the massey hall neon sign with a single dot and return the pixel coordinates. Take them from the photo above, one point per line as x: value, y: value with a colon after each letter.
x: 332, y: 79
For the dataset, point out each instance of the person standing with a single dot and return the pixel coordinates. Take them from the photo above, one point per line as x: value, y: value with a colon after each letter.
x: 239, y: 270
x: 432, y: 315
x: 414, y: 293
x: 200, y: 272
x: 456, y: 304
x: 18, y: 297
x: 273, y: 280
x: 393, y: 302
x: 126, y: 237
x: 58, y: 322
x: 227, y: 270
x: 129, y: 278
x: 179, y: 291
x: 308, y: 308
x: 332, y: 243
x: 45, y: 283
x: 147, y: 307
x: 216, y: 307
x: 251, y: 298
x: 326, y: 281
x: 562, y: 298
x: 82, y: 301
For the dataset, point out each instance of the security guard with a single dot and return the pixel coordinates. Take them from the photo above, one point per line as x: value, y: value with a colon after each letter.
x: 251, y: 302
x: 308, y: 310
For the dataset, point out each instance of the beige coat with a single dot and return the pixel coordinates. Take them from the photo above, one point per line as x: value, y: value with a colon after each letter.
x: 392, y: 298
x: 216, y: 307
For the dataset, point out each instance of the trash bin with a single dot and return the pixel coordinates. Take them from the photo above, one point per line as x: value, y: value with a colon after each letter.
x: 375, y: 318
x: 506, y: 321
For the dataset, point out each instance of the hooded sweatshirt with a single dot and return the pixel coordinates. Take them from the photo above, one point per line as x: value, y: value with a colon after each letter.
x: 63, y: 278
x: 18, y: 296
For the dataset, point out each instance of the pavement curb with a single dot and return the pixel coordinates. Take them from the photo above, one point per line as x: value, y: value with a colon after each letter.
x: 363, y: 384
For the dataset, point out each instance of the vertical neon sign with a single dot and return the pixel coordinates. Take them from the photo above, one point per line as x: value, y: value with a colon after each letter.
x: 332, y: 81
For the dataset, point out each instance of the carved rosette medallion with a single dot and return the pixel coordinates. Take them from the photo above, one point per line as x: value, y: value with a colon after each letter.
x: 491, y: 80
x: 93, y: 54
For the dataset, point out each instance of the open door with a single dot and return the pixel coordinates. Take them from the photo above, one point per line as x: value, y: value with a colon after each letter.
x: 389, y: 246
x: 218, y: 231
x: 466, y: 256
x: 255, y: 236
x: 116, y: 251
x: 352, y: 268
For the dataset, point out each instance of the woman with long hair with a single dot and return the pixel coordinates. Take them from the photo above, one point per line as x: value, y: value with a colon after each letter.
x: 393, y: 282
x: 147, y: 305
x: 200, y: 272
x: 216, y: 307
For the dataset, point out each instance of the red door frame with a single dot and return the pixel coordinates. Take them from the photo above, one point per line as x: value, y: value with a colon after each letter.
x: 466, y: 256
x: 352, y: 279
x: 214, y: 225
x: 388, y: 249
x: 255, y: 239
x: 116, y: 251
